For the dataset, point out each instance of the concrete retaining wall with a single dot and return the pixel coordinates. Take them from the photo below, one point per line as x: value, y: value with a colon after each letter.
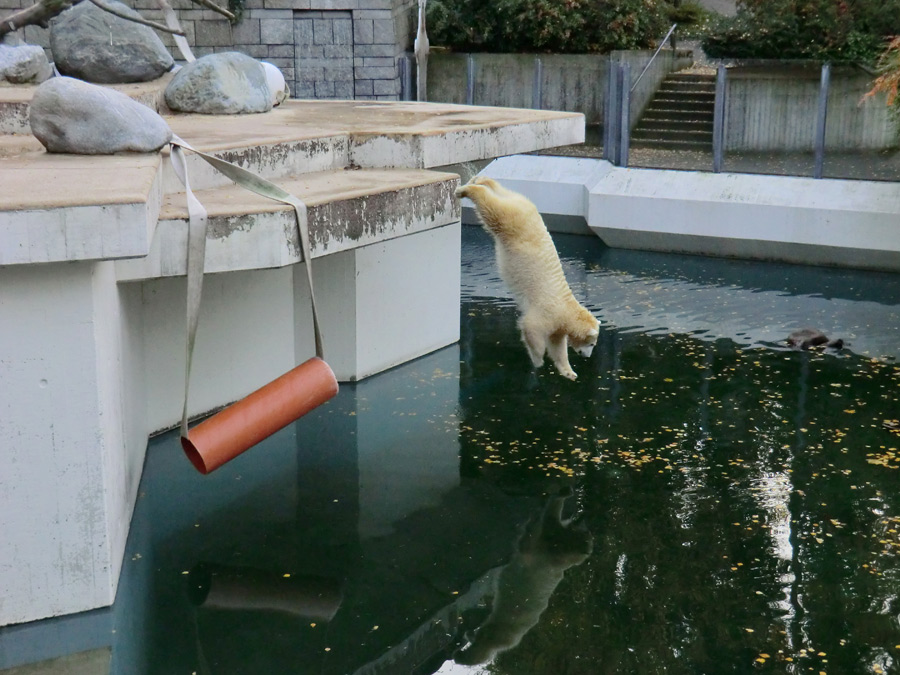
x: 773, y: 107
x: 570, y: 82
x: 837, y: 223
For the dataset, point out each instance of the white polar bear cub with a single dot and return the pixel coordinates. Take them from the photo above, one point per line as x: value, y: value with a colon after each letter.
x: 551, y: 318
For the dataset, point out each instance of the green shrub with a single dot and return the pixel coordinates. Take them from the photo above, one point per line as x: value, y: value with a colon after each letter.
x: 561, y: 26
x: 688, y: 13
x: 827, y: 30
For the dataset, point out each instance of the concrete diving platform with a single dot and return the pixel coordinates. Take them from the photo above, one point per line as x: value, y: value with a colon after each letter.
x: 829, y: 222
x: 92, y: 297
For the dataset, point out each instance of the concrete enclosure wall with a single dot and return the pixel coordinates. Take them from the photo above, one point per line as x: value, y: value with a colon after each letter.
x: 570, y: 82
x: 347, y: 49
x: 773, y: 107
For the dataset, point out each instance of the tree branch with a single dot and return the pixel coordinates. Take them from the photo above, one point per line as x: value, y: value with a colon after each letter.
x: 214, y: 7
x: 37, y: 15
x: 40, y: 13
x: 144, y: 22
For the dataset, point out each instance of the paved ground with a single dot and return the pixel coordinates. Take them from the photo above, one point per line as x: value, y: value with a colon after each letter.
x: 872, y: 165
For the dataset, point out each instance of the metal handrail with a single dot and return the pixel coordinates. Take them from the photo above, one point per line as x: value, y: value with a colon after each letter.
x: 661, y: 45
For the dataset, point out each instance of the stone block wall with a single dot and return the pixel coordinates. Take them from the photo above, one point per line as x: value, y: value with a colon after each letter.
x: 348, y: 49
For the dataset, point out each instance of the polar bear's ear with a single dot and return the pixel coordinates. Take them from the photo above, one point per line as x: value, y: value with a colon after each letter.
x: 594, y: 332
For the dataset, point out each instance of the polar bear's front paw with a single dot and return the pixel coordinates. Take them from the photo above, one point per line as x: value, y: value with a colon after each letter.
x: 568, y: 374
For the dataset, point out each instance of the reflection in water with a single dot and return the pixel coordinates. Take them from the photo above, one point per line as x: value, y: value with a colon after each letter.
x: 547, y: 548
x: 741, y: 497
x: 217, y: 587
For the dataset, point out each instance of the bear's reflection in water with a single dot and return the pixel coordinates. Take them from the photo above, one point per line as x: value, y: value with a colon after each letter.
x: 548, y: 547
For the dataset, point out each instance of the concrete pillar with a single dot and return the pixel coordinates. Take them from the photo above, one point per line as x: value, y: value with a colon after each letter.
x: 68, y: 485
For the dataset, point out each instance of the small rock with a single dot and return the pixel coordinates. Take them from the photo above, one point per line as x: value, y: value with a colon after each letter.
x: 229, y: 83
x: 96, y: 46
x: 24, y: 64
x: 806, y: 338
x: 71, y: 116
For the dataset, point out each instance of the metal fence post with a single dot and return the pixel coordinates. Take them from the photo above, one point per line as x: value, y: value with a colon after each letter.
x: 719, y: 120
x: 624, y: 79
x: 821, y: 116
x: 470, y: 80
x: 406, y: 78
x: 611, y: 115
x: 537, y: 89
x: 421, y: 48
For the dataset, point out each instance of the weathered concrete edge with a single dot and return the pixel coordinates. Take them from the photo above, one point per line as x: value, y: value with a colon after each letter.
x: 95, y: 232
x: 271, y: 161
x: 267, y: 240
x: 14, y: 118
x: 425, y: 151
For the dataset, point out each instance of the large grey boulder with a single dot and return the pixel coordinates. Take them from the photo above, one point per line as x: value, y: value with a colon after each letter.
x: 229, y: 83
x: 96, y: 46
x: 71, y: 116
x: 24, y: 64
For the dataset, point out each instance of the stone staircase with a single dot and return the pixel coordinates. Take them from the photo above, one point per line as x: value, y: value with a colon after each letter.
x: 680, y: 116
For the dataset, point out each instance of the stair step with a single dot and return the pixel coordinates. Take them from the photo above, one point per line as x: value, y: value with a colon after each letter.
x: 16, y: 100
x: 648, y: 122
x: 671, y: 135
x: 703, y: 87
x: 684, y: 112
x: 303, y: 136
x: 690, y: 77
x: 666, y: 99
x: 397, y: 202
x: 671, y: 145
x: 684, y: 92
x: 106, y: 207
x: 682, y: 96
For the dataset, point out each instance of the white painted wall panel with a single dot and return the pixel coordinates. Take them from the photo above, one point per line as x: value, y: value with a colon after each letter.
x: 55, y: 554
x: 245, y: 339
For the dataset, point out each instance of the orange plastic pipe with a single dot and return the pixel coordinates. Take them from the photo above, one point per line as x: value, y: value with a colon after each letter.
x: 242, y: 425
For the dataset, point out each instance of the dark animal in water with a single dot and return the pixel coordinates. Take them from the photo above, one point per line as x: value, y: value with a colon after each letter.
x: 807, y: 338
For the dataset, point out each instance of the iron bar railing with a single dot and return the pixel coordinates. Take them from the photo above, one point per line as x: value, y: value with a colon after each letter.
x: 655, y: 54
x: 624, y: 77
x: 821, y: 116
x: 718, y: 140
x: 537, y: 90
x: 470, y: 80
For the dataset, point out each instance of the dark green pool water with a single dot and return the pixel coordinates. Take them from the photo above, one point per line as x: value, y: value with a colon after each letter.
x: 735, y: 503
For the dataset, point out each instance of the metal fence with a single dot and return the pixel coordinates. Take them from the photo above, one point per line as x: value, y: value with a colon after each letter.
x: 617, y: 131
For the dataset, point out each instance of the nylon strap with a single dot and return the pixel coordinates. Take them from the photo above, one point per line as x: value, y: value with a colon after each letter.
x: 172, y: 22
x: 197, y: 244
